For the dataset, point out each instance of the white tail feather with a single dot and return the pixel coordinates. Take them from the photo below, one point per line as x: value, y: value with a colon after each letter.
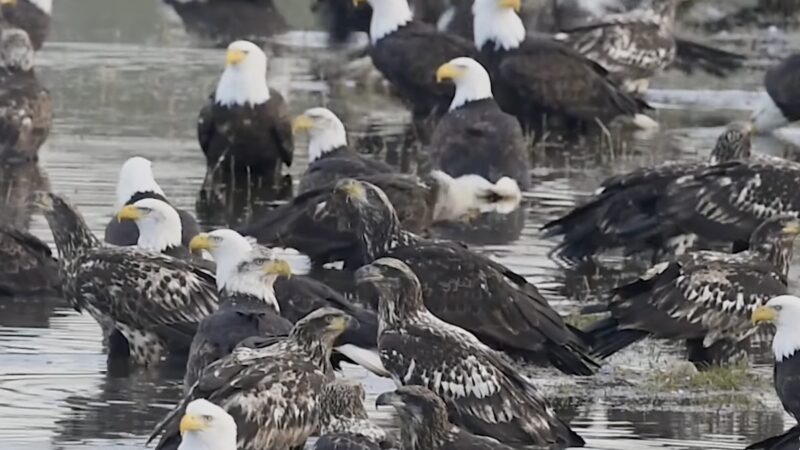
x: 509, y: 195
x: 368, y: 359
x: 299, y: 262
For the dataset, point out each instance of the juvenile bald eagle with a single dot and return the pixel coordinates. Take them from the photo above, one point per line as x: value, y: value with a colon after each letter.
x: 26, y: 264
x: 245, y: 130
x: 460, y: 286
x: 329, y: 156
x: 32, y: 16
x: 245, y: 287
x: 224, y: 21
x: 397, y: 52
x: 273, y: 393
x: 483, y: 392
x: 207, y: 426
x: 605, y: 220
x: 721, y: 204
x: 569, y: 87
x: 136, y: 182
x: 476, y: 136
x: 780, y: 104
x: 344, y: 422
x: 153, y: 300
x: 784, y: 312
x: 635, y: 45
x: 419, y: 202
x: 425, y: 425
x: 704, y: 298
x: 26, y: 109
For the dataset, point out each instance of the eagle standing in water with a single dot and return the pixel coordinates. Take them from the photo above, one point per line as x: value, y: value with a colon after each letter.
x: 704, y: 298
x: 483, y: 392
x: 155, y: 301
x: 459, y: 286
x: 273, y: 392
x: 784, y: 312
x: 245, y: 130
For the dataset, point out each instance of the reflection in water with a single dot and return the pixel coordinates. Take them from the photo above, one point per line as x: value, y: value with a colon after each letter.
x: 17, y: 183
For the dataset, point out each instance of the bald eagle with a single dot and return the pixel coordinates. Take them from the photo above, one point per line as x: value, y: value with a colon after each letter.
x: 223, y: 21
x: 153, y: 300
x: 245, y: 130
x: 635, y: 45
x: 704, y: 298
x: 483, y: 392
x: 721, y: 204
x: 425, y: 425
x: 344, y: 422
x: 273, y: 393
x: 476, y: 136
x: 570, y: 86
x: 26, y: 264
x: 460, y: 286
x: 780, y: 104
x: 329, y: 156
x: 136, y: 182
x: 26, y: 109
x: 32, y: 16
x: 206, y: 426
x: 604, y: 221
x: 397, y: 43
x: 783, y: 311
x: 248, y: 308
x: 419, y: 202
x: 250, y: 280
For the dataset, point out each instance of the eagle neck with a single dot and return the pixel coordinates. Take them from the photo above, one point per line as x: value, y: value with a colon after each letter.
x: 248, y: 289
x: 502, y: 28
x: 319, y: 352
x: 380, y: 234
x: 388, y: 17
x: 429, y: 432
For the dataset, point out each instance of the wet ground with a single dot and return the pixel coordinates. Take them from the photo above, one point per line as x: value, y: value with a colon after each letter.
x: 127, y: 81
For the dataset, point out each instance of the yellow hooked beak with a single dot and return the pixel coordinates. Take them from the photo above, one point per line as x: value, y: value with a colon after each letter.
x: 190, y: 422
x: 200, y: 242
x: 448, y: 71
x: 234, y: 57
x: 278, y: 267
x: 792, y: 227
x: 763, y: 314
x: 302, y: 123
x: 516, y: 5
x: 354, y: 190
x: 8, y: 2
x: 129, y: 212
x: 339, y: 323
x: 358, y: 2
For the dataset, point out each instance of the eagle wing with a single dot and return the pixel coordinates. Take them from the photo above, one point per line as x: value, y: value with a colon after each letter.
x: 483, y: 393
x: 145, y: 290
x: 282, y: 127
x: 728, y: 201
x: 705, y: 294
x: 568, y: 83
x: 489, y: 300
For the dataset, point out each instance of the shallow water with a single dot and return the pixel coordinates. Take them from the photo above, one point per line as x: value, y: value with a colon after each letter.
x: 127, y: 80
